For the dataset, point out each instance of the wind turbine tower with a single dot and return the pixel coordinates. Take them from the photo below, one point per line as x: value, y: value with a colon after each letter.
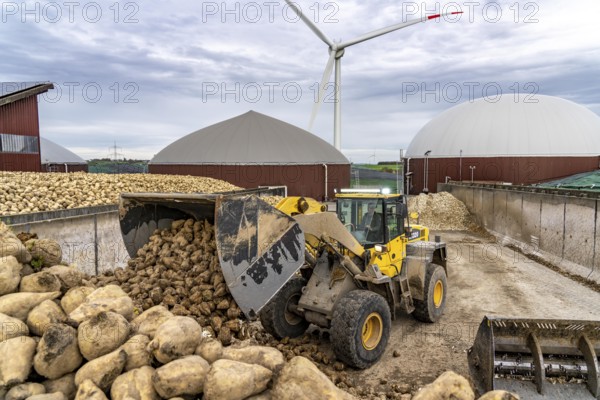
x: 336, y: 52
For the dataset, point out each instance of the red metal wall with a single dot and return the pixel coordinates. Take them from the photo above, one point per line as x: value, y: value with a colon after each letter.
x: 20, y: 162
x: 20, y: 118
x: 301, y: 180
x: 515, y: 170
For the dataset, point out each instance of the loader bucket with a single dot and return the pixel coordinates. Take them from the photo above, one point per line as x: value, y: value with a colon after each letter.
x: 259, y: 247
x: 537, y: 358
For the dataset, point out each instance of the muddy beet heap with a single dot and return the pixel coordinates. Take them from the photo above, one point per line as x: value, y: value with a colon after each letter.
x: 179, y: 269
x: 63, y: 341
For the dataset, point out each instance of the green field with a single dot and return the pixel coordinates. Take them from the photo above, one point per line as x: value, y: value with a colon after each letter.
x: 392, y: 168
x: 375, y: 184
x: 106, y: 166
x: 377, y: 176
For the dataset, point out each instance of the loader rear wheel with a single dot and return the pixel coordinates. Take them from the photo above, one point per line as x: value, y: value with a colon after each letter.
x: 278, y: 318
x: 360, y: 328
x: 432, y: 308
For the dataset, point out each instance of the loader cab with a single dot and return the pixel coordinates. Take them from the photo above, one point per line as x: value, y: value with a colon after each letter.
x: 372, y: 217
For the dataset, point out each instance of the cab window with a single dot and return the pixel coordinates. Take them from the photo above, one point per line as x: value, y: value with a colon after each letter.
x: 364, y: 218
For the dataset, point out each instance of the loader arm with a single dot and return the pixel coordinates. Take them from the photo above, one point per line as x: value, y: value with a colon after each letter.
x: 328, y: 226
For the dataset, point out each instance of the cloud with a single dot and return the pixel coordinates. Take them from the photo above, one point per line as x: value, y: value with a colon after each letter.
x: 168, y: 68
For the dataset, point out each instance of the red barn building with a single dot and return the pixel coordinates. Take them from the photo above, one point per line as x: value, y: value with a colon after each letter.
x: 19, y: 126
x: 517, y: 139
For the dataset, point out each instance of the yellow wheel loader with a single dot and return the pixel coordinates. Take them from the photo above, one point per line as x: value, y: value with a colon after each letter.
x: 295, y: 264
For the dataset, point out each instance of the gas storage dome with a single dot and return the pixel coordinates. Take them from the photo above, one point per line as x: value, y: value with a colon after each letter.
x: 515, y: 125
x: 250, y: 138
x: 253, y: 150
x: 515, y: 139
x: 56, y: 158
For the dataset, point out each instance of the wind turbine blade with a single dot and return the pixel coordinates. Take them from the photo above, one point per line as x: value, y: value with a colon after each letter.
x: 310, y: 24
x: 391, y: 28
x: 324, y: 81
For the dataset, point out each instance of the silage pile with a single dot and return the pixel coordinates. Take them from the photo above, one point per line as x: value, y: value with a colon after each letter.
x: 28, y: 192
x: 441, y: 211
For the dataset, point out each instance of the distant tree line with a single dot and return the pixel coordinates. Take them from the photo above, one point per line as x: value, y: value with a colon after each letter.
x: 125, y: 166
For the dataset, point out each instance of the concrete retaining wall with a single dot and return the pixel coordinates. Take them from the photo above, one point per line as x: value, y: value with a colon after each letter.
x: 561, y: 226
x: 89, y: 237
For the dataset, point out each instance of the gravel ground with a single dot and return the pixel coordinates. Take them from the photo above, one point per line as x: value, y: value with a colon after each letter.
x: 484, y: 279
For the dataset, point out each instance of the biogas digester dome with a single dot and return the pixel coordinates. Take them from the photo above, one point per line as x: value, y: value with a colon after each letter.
x: 253, y: 150
x: 519, y: 139
x: 56, y: 158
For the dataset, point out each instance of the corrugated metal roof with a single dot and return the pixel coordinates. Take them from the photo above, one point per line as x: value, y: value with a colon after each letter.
x: 524, y: 125
x: 13, y: 91
x: 52, y: 153
x: 7, y: 88
x: 250, y: 138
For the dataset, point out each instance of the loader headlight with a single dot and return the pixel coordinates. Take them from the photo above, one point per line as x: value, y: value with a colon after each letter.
x: 380, y: 248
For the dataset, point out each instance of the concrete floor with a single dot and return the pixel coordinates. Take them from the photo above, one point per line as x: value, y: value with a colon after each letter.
x: 484, y: 279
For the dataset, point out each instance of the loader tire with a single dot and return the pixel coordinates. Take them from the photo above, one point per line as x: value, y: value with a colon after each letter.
x: 276, y: 317
x: 360, y: 328
x: 436, y: 287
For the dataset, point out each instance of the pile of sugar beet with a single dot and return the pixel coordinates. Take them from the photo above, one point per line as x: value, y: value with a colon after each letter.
x: 179, y: 269
x: 63, y: 338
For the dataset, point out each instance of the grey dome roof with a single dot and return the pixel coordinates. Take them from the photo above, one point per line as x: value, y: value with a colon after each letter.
x: 52, y: 153
x: 250, y: 138
x: 511, y: 126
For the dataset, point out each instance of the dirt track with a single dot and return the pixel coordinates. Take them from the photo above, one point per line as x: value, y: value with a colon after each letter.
x: 484, y: 279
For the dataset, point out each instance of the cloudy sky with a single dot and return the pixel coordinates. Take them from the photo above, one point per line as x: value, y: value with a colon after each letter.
x: 143, y: 74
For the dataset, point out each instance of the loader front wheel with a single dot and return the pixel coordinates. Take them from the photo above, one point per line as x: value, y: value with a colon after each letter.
x: 278, y: 317
x: 432, y: 307
x: 360, y: 328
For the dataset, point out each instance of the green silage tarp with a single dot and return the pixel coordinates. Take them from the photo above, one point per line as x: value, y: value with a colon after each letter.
x: 584, y: 181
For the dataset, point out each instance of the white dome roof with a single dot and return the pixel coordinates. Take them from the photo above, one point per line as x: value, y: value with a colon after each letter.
x: 250, y: 138
x: 52, y: 153
x: 511, y: 126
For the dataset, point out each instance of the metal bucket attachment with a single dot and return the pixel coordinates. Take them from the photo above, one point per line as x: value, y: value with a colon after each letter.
x: 259, y: 247
x: 537, y: 358
x: 140, y: 214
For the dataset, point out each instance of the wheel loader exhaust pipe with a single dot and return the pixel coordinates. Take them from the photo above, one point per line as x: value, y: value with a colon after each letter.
x: 259, y: 247
x: 530, y: 356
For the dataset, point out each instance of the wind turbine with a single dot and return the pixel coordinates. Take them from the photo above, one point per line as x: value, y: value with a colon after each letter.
x: 336, y: 52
